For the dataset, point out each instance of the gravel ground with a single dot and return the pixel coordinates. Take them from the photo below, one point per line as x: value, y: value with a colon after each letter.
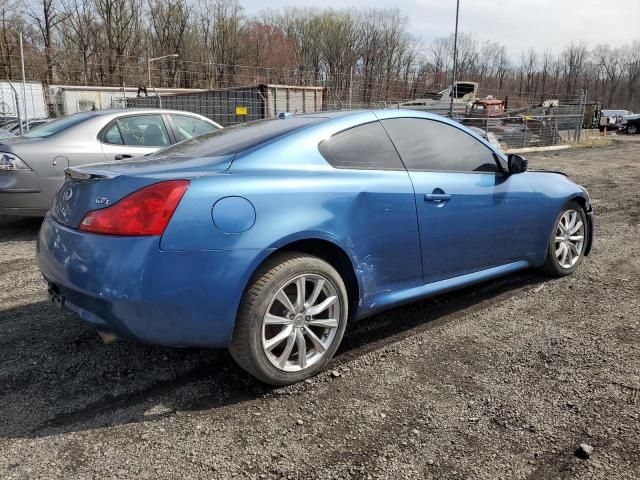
x: 503, y: 380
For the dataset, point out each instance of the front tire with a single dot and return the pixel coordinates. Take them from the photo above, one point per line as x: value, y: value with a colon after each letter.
x: 568, y: 241
x: 632, y: 130
x: 291, y: 319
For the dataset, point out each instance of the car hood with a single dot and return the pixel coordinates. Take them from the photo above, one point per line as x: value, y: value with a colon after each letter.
x: 542, y: 170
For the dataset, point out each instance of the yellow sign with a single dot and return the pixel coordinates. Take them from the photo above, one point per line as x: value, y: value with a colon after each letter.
x: 528, y: 117
x: 241, y: 110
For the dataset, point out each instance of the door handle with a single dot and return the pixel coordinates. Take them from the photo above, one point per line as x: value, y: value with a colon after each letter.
x: 122, y: 156
x: 437, y: 197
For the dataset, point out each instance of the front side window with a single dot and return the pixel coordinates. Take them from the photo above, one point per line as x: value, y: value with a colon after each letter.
x: 188, y: 127
x: 365, y: 147
x: 436, y: 146
x: 143, y: 131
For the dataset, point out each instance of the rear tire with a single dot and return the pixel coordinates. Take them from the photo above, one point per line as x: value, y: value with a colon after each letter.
x: 567, y: 242
x: 295, y: 302
x: 632, y: 129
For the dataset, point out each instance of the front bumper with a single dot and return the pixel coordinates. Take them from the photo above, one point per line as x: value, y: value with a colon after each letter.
x: 129, y: 287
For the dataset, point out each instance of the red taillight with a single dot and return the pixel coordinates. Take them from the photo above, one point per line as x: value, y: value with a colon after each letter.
x: 145, y: 212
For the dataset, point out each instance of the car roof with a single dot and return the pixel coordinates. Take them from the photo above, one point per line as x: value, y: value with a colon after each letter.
x: 331, y: 123
x: 380, y: 114
x: 132, y: 111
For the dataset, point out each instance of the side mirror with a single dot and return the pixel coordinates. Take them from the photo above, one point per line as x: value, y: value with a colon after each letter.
x: 517, y: 164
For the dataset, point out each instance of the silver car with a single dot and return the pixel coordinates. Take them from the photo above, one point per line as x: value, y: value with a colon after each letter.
x: 32, y: 165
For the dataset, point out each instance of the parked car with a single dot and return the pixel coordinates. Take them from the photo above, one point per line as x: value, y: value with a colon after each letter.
x: 630, y: 124
x: 5, y: 134
x: 269, y: 237
x: 32, y: 165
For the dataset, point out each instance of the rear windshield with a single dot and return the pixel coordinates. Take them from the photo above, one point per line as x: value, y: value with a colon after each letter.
x: 238, y: 138
x: 57, y: 126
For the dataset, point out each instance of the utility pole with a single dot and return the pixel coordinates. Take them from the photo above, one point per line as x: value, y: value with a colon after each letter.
x: 455, y: 60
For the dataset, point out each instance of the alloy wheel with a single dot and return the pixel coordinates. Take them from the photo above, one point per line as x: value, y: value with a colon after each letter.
x: 301, y: 322
x: 569, y: 239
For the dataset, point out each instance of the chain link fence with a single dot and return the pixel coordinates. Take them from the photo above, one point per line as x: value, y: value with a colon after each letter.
x: 510, y: 122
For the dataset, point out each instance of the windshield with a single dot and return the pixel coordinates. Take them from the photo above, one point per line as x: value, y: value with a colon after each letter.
x: 238, y: 138
x: 57, y: 126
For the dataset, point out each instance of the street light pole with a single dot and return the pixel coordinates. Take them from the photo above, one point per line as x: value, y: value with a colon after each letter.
x: 149, y: 60
x: 149, y: 72
x: 455, y: 61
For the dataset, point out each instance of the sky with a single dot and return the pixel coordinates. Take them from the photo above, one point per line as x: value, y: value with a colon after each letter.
x: 518, y: 24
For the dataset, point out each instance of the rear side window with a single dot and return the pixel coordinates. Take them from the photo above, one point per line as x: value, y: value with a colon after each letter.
x: 186, y: 127
x: 364, y: 147
x: 436, y: 146
x: 112, y: 135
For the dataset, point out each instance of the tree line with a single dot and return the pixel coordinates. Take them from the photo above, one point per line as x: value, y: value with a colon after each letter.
x: 361, y: 56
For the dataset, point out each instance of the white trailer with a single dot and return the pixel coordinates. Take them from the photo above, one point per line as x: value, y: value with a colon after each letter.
x: 30, y: 98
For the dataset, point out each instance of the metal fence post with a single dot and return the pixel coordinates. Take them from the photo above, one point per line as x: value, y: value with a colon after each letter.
x: 583, y: 104
x: 24, y: 88
x: 15, y: 94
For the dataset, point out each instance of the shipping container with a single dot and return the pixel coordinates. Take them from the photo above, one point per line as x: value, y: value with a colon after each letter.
x: 229, y: 106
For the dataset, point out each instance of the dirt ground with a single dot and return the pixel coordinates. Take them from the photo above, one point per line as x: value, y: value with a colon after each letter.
x: 502, y: 380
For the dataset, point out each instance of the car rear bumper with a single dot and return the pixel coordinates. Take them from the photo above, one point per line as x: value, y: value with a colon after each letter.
x: 23, y: 192
x: 129, y: 287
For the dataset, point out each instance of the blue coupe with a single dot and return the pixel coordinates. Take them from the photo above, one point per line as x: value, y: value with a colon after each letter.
x: 268, y: 237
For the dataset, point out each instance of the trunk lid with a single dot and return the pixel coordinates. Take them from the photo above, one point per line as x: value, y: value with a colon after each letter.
x: 97, y: 186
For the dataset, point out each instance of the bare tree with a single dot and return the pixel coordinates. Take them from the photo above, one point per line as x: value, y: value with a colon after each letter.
x: 368, y: 53
x: 120, y: 27
x: 573, y: 58
x: 9, y: 43
x: 339, y: 43
x: 46, y: 14
x: 221, y: 23
x: 440, y: 58
x: 79, y: 30
x: 169, y: 20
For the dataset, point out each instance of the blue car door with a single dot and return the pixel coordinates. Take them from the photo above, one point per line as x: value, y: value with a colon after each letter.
x: 382, y: 232
x: 471, y: 213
